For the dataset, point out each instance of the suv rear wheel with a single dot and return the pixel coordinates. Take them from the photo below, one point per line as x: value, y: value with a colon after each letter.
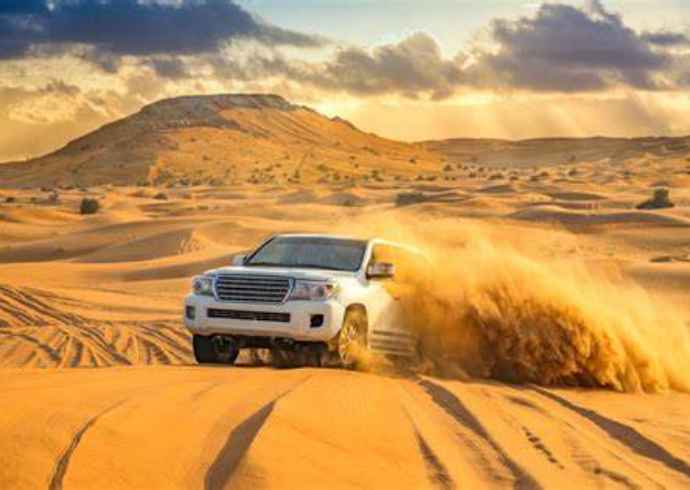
x: 214, y: 350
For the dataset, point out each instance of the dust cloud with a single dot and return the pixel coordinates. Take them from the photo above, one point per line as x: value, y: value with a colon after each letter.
x: 486, y: 308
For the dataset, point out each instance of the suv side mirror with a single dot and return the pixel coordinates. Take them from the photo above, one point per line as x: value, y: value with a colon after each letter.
x: 238, y: 259
x: 381, y: 270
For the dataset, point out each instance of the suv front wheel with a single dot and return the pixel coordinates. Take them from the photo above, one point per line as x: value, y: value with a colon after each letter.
x: 352, y: 339
x: 214, y: 350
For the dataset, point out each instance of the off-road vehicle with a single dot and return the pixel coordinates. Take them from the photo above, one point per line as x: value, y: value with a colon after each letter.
x: 307, y: 298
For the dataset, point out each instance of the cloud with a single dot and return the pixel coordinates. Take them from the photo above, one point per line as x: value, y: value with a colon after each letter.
x: 113, y: 28
x: 566, y: 49
x: 169, y: 67
x: 666, y: 38
x: 412, y: 67
x: 559, y: 49
x: 37, y: 120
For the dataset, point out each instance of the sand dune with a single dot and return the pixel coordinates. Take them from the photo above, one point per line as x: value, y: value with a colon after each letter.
x: 396, y: 432
x: 546, y: 214
x: 575, y: 287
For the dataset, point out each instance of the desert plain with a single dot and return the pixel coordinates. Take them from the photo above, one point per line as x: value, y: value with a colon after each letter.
x: 581, y: 378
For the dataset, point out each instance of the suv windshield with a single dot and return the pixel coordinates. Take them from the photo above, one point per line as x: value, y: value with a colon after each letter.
x: 310, y: 252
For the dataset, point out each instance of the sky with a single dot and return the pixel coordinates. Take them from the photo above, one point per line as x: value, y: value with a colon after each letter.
x: 406, y: 69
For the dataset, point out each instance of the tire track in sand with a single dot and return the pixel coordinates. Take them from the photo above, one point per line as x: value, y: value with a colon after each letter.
x: 238, y: 443
x: 625, y: 434
x: 437, y: 471
x: 62, y: 462
x: 452, y: 405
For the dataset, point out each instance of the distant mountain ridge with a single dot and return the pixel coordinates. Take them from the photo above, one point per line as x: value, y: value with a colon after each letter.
x: 556, y: 151
x: 228, y: 139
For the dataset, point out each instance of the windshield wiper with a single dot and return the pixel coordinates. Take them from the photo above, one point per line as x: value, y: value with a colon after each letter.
x: 303, y: 266
x: 316, y: 266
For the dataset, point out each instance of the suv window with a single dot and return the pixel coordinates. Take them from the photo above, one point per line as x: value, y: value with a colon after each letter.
x: 338, y: 254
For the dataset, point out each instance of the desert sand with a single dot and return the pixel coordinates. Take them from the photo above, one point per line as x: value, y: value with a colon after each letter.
x: 581, y: 378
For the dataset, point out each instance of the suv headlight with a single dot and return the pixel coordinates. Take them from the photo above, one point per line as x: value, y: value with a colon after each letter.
x: 313, y: 290
x: 203, y: 285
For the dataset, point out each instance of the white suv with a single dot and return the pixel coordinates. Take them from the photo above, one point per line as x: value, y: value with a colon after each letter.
x: 308, y: 298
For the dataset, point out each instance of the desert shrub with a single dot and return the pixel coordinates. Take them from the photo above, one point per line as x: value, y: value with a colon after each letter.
x: 447, y: 167
x: 10, y: 199
x: 573, y: 172
x: 161, y: 196
x: 89, y: 206
x: 496, y: 176
x: 472, y: 175
x: 407, y: 198
x: 660, y: 200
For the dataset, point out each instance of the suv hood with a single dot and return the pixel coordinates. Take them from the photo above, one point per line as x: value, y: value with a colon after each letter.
x: 297, y: 273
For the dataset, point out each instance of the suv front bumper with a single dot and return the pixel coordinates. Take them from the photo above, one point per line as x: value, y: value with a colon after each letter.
x: 255, y: 324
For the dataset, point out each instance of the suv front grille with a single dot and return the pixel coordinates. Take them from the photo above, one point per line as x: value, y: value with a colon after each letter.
x: 248, y: 288
x: 260, y: 316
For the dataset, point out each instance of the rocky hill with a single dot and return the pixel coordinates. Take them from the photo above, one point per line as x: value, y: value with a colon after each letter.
x: 222, y: 139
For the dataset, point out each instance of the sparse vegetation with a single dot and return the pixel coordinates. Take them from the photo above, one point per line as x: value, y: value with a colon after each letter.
x: 407, y: 198
x: 161, y: 196
x: 660, y: 200
x: 89, y: 206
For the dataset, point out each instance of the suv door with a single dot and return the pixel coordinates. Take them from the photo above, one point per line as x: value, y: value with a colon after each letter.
x: 388, y: 331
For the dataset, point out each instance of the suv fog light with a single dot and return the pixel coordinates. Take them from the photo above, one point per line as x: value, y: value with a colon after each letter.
x: 190, y: 312
x: 316, y: 321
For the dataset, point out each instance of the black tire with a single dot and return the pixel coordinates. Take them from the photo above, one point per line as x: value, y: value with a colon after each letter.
x: 313, y: 358
x: 352, y: 338
x: 206, y: 351
x: 282, y: 358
